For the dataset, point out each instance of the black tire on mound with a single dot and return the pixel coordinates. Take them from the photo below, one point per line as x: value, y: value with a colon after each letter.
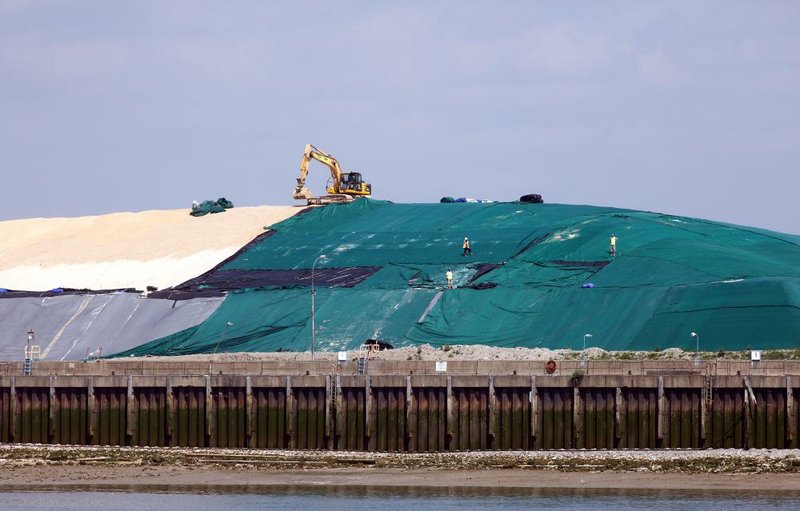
x: 533, y: 198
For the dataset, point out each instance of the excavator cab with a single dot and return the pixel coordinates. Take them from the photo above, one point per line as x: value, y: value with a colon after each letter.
x: 352, y: 178
x: 351, y: 183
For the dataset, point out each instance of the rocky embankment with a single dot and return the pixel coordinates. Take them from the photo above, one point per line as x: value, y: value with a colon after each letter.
x: 726, y: 461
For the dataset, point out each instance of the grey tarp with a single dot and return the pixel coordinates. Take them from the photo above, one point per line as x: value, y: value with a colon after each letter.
x: 67, y: 327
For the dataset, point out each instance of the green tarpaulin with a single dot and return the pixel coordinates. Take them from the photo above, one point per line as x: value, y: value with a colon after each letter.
x: 541, y: 276
x: 210, y: 206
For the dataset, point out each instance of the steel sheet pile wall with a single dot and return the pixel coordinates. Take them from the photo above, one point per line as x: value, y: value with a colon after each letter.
x: 420, y: 413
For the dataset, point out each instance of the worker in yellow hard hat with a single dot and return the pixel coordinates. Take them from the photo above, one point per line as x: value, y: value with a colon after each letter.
x: 449, y: 276
x: 613, y: 241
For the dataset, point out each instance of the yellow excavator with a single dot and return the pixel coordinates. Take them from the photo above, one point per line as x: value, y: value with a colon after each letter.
x: 342, y: 186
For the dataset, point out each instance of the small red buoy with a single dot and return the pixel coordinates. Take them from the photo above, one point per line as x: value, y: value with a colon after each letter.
x: 550, y: 367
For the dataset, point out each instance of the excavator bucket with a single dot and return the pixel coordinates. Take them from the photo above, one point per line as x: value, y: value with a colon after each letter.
x: 302, y: 193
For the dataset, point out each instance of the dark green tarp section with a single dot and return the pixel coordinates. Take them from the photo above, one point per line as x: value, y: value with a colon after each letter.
x: 210, y: 206
x: 540, y: 276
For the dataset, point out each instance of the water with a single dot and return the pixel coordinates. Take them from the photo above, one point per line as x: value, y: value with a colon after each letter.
x: 374, y: 499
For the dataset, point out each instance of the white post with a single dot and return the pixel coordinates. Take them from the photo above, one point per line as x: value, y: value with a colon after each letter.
x: 583, y: 363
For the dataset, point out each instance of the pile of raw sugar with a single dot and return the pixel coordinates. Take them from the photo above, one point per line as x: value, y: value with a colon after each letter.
x: 125, y: 250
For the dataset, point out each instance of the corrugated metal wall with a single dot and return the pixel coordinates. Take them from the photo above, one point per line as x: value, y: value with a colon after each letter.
x: 398, y: 413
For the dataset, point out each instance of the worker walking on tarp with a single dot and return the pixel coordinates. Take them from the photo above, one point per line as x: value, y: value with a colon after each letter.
x: 449, y: 276
x: 613, y: 242
x: 466, y: 247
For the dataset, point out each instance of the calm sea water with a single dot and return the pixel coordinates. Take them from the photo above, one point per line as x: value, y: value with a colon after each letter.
x: 398, y: 499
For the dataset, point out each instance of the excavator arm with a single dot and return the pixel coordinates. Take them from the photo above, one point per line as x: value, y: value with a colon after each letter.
x: 312, y: 153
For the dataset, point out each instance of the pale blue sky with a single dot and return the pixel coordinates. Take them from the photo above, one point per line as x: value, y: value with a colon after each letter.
x: 690, y: 108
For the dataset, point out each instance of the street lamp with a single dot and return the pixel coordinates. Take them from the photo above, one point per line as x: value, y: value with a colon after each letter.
x: 28, y: 349
x: 697, y: 346
x: 222, y: 335
x: 313, y: 292
x: 583, y: 353
x: 26, y: 368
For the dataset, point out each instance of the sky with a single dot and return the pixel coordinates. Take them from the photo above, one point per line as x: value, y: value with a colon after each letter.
x: 687, y: 108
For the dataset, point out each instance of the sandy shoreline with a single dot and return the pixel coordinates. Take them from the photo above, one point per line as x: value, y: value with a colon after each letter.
x: 63, y: 468
x: 176, y: 479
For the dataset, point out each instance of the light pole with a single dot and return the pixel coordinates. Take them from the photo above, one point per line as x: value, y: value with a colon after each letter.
x: 583, y: 354
x: 222, y: 335
x: 26, y: 368
x: 697, y: 346
x: 313, y: 292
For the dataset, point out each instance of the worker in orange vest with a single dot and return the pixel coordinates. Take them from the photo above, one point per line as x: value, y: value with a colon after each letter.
x: 466, y: 247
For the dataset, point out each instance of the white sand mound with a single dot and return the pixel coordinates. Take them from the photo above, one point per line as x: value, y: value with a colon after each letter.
x: 122, y: 250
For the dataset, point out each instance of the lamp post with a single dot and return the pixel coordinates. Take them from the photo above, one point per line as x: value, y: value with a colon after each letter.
x: 313, y: 292
x: 222, y: 335
x: 26, y: 368
x: 583, y: 354
x: 697, y: 346
x: 28, y: 349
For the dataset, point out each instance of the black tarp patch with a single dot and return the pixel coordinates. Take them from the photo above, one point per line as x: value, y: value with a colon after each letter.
x: 61, y: 291
x: 581, y: 264
x: 532, y: 243
x: 482, y: 270
x: 231, y: 280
